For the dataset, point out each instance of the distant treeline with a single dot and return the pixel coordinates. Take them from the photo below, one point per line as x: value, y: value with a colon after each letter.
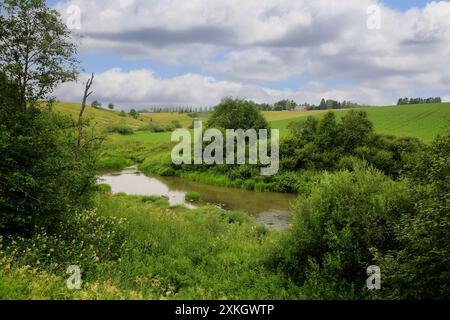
x: 289, y: 105
x: 282, y: 105
x: 403, y: 101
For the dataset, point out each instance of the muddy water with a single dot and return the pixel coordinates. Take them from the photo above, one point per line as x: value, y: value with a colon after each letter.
x: 271, y: 209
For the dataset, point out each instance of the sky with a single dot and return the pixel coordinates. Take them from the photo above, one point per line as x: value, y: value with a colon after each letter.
x: 148, y: 53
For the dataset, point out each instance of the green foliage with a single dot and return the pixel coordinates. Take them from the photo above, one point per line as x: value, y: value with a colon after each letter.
x: 176, y: 124
x: 193, y: 197
x: 113, y: 163
x: 134, y: 114
x: 327, y: 144
x: 237, y: 114
x: 418, y: 269
x: 96, y: 104
x: 86, y: 240
x: 336, y: 228
x: 154, y: 127
x: 35, y: 59
x: 40, y: 180
x: 120, y: 129
x: 104, y: 188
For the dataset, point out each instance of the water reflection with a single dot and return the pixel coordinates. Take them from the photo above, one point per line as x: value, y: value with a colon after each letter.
x: 271, y: 209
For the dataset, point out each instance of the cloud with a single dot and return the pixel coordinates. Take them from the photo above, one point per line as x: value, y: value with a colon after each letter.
x: 142, y: 89
x: 254, y: 44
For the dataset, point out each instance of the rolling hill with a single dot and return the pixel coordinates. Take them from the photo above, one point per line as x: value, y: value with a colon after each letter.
x: 424, y: 121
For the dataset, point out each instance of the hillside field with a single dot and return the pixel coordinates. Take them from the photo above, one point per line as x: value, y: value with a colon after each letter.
x: 423, y: 121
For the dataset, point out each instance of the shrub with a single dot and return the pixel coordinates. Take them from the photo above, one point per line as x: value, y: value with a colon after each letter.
x: 120, y: 129
x: 86, y: 240
x: 104, y: 188
x: 176, y: 124
x: 336, y: 229
x: 154, y: 127
x: 193, y: 197
x: 41, y: 183
x: 418, y: 269
x: 113, y: 163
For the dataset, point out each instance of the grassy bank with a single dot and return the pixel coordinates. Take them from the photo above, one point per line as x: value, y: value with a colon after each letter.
x: 169, y: 253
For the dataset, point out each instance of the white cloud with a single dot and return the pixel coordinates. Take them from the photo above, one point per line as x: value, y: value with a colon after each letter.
x: 141, y: 88
x: 273, y: 41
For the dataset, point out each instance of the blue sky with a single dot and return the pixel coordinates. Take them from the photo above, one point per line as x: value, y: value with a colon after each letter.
x: 175, y: 52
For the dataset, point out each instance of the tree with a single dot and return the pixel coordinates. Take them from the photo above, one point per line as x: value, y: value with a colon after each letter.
x: 86, y: 95
x: 133, y: 113
x: 327, y: 132
x: 237, y: 114
x: 322, y: 104
x: 36, y: 50
x: 111, y: 106
x: 95, y: 104
x: 41, y: 182
x: 355, y: 130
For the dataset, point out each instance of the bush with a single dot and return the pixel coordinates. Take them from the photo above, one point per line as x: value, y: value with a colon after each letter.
x: 120, y: 129
x: 336, y: 229
x: 86, y: 240
x: 41, y: 183
x: 176, y: 124
x: 104, y: 188
x: 154, y: 127
x: 113, y: 163
x: 193, y: 197
x: 418, y: 269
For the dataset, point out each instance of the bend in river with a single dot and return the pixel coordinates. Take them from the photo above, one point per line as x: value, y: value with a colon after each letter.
x: 269, y: 208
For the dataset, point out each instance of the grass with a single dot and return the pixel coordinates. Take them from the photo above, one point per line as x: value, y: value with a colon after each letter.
x: 424, y: 121
x: 102, y: 118
x: 170, y: 253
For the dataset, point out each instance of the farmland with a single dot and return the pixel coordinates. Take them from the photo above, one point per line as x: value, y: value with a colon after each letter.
x: 424, y: 121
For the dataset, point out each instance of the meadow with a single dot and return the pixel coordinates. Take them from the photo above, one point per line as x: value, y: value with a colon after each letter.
x: 424, y: 121
x: 168, y: 253
x: 158, y: 251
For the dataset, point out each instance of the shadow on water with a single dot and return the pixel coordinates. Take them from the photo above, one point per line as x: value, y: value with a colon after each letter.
x: 268, y: 208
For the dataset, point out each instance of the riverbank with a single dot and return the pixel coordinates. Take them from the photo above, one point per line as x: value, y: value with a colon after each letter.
x: 270, y: 209
x: 169, y: 253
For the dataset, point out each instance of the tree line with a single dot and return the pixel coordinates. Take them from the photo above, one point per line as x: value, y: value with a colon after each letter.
x: 404, y: 101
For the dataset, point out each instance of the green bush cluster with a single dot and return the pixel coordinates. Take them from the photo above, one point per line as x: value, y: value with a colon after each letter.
x: 155, y: 127
x: 41, y: 180
x: 328, y: 144
x: 87, y: 240
x: 193, y: 197
x: 113, y: 163
x: 120, y: 129
x: 354, y: 219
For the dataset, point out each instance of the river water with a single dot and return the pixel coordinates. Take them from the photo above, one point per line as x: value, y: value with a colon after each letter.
x: 268, y: 208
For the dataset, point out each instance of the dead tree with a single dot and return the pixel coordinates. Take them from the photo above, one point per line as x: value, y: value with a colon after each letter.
x: 86, y: 95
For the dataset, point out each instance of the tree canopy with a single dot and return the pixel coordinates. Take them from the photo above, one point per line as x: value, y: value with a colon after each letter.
x: 36, y: 49
x: 237, y: 114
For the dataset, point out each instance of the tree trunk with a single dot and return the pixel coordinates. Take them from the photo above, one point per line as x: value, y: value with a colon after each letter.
x: 86, y: 94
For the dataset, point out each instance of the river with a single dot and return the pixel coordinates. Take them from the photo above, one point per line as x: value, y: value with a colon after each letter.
x: 268, y: 208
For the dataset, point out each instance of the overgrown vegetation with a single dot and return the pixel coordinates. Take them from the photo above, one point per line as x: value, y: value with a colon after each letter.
x: 366, y: 199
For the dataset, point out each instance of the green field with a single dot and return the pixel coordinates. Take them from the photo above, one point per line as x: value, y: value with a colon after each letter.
x: 423, y: 121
